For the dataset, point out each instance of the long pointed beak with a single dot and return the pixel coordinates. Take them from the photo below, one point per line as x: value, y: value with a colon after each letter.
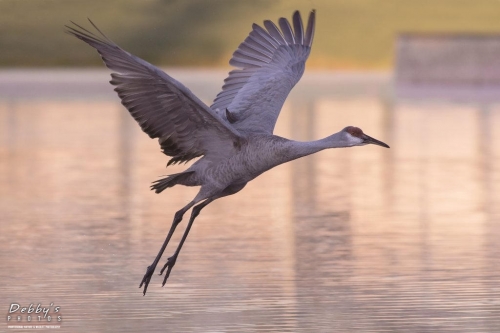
x: 369, y: 140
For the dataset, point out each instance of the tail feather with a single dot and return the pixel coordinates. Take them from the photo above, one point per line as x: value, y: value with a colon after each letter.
x: 169, y: 181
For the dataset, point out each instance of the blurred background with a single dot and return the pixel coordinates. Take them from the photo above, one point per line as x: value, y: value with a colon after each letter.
x: 350, y: 240
x: 357, y: 34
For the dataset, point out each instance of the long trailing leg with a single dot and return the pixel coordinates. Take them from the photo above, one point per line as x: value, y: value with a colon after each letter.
x: 150, y: 270
x: 171, y: 261
x: 195, y: 212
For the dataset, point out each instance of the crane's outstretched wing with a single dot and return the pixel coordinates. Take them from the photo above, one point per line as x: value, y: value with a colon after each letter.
x: 186, y: 128
x: 271, y: 62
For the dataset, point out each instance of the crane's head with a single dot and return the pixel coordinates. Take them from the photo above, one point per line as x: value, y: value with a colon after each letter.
x: 356, y: 137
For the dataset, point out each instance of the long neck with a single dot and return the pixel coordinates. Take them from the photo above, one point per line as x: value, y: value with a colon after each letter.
x: 301, y: 149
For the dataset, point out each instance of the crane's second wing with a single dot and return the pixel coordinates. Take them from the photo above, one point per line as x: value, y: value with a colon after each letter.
x: 270, y: 63
x: 164, y: 108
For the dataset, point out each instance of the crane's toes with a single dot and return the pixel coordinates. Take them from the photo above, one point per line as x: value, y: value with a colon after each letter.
x: 147, y: 277
x: 168, y: 266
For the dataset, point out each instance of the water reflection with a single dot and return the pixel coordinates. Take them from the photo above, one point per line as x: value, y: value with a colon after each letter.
x: 350, y: 240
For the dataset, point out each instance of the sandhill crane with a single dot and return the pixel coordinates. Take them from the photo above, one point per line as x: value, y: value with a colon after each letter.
x: 234, y: 137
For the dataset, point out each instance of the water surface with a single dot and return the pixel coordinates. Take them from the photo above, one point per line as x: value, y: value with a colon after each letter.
x: 364, y: 239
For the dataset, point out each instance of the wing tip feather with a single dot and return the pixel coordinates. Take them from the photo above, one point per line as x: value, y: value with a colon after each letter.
x: 298, y: 27
x: 311, y: 24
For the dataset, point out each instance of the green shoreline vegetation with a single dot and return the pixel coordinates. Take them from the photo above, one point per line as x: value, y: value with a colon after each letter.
x: 351, y: 34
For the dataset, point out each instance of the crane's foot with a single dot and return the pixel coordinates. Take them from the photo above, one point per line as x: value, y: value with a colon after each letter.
x: 169, y: 265
x: 147, y: 277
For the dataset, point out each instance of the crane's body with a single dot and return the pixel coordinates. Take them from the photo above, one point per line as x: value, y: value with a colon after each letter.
x: 234, y: 136
x: 257, y: 154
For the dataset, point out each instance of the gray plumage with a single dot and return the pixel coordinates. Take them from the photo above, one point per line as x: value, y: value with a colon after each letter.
x: 234, y: 137
x: 271, y: 63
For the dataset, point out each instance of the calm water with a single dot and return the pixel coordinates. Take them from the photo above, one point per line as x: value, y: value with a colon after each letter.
x: 351, y: 240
